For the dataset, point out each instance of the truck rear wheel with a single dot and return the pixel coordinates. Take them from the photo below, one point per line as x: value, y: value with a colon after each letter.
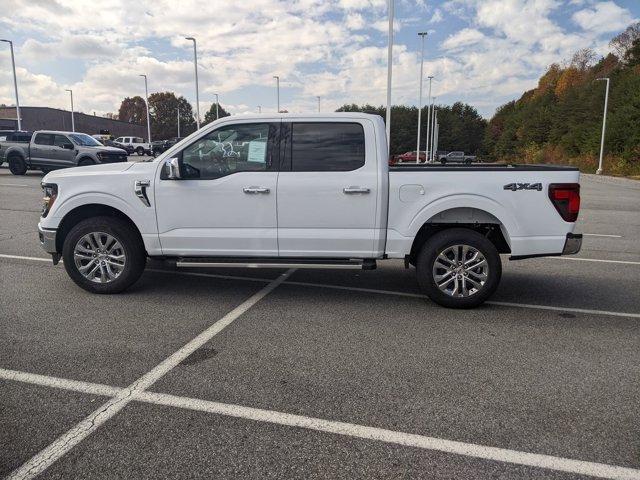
x: 17, y: 165
x: 104, y: 255
x: 140, y: 151
x: 458, y: 268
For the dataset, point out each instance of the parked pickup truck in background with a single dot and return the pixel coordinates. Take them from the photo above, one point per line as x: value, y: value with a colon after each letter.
x: 210, y: 201
x: 8, y: 137
x: 136, y: 143
x: 456, y: 157
x: 49, y: 150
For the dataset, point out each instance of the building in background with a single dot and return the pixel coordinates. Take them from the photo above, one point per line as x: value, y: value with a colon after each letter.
x: 45, y: 118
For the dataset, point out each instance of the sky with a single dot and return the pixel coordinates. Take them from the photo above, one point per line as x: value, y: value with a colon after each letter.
x: 483, y: 52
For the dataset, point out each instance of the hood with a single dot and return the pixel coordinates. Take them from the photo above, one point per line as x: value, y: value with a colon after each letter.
x: 89, y: 170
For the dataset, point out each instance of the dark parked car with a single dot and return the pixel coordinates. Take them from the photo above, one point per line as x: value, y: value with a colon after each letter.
x: 161, y: 146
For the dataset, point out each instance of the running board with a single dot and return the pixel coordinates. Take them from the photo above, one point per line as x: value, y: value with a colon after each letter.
x: 366, y: 264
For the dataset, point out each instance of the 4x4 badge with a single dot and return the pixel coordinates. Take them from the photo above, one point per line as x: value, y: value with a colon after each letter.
x: 523, y: 186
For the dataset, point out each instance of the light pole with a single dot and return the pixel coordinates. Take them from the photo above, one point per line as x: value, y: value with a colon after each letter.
x: 73, y: 123
x: 217, y: 103
x: 422, y: 35
x: 277, y: 91
x: 318, y: 103
x: 428, y: 120
x: 178, y: 122
x: 146, y: 99
x: 15, y: 82
x: 433, y: 128
x: 604, y: 124
x: 389, y: 74
x: 259, y: 109
x: 195, y: 64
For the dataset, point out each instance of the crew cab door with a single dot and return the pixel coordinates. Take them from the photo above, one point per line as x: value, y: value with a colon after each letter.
x: 224, y: 204
x: 328, y: 189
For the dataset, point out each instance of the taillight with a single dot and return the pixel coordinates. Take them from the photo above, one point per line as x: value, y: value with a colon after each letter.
x: 566, y: 198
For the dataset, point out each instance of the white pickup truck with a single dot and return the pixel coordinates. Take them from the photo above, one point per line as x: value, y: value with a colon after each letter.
x: 302, y: 191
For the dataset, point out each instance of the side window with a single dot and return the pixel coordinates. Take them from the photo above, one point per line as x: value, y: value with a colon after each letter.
x: 138, y: 140
x: 44, y: 139
x: 327, y: 147
x: 61, y: 141
x: 119, y: 140
x: 230, y: 149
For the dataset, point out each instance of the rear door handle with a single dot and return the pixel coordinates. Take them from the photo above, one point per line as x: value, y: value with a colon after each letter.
x: 253, y: 190
x: 353, y: 190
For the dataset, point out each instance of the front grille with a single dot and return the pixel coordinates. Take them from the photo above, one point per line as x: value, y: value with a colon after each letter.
x: 113, y: 158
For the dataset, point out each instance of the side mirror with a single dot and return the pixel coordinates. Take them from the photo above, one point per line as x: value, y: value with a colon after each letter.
x: 172, y: 168
x: 67, y: 146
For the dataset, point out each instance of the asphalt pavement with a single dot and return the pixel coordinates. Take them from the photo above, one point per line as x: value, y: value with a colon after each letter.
x: 320, y: 373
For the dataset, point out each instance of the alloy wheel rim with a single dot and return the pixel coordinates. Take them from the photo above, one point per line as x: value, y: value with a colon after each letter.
x: 460, y: 271
x: 99, y: 257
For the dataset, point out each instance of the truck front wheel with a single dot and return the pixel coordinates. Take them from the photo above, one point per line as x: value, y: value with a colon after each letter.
x: 458, y: 268
x: 17, y: 165
x: 104, y: 255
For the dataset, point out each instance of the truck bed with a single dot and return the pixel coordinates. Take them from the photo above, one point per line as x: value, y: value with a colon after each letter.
x: 485, y: 167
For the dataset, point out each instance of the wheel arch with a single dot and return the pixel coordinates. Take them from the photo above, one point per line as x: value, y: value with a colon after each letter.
x: 82, y: 212
x: 476, y: 219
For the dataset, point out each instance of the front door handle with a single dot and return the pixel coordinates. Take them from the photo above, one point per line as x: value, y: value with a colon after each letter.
x: 353, y: 190
x: 253, y: 190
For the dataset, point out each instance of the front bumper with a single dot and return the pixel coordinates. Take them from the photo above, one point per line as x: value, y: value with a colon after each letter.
x: 47, y: 240
x: 572, y: 244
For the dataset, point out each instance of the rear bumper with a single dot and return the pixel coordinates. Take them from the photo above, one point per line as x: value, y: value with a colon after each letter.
x: 572, y: 245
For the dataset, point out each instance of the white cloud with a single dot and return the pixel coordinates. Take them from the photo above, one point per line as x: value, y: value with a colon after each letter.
x: 437, y: 16
x: 464, y: 38
x: 603, y: 17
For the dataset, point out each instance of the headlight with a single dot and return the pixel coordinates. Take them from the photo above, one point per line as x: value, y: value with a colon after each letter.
x: 50, y: 194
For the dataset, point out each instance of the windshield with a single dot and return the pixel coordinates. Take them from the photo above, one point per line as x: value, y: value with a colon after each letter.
x: 84, y: 140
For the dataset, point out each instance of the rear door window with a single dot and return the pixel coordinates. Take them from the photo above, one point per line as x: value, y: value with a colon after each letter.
x: 327, y: 147
x: 44, y: 139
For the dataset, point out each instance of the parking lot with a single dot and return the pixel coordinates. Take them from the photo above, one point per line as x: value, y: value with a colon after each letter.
x: 322, y: 373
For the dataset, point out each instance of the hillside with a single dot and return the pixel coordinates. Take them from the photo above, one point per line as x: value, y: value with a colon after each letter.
x: 560, y: 121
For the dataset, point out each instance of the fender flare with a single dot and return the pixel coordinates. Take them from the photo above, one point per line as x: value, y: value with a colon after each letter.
x: 478, y: 202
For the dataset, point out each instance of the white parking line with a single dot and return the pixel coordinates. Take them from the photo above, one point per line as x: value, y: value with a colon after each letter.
x: 372, y: 290
x: 579, y: 259
x: 517, y: 457
x: 50, y: 454
x: 601, y: 235
x: 14, y: 185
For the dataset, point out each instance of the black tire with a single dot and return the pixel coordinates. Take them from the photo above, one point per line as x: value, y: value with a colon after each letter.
x: 135, y: 255
x: 438, y: 244
x: 85, y: 162
x: 140, y: 151
x: 17, y: 165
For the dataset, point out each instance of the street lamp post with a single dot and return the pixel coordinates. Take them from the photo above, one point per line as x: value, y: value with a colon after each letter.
x: 15, y: 82
x: 318, y: 104
x: 217, y: 103
x: 389, y: 74
x: 433, y: 128
x: 195, y: 64
x: 604, y: 124
x: 178, y: 122
x: 73, y: 123
x: 429, y: 99
x: 422, y: 35
x: 259, y: 109
x: 277, y: 92
x: 146, y: 99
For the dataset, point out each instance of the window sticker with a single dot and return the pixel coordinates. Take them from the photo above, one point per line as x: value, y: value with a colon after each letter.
x: 257, y: 151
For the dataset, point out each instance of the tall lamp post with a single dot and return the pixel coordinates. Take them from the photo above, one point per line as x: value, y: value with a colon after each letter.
x: 73, y: 123
x: 146, y: 99
x: 318, y: 103
x: 389, y: 74
x: 433, y: 128
x: 15, y: 82
x: 422, y: 35
x: 428, y: 119
x: 217, y: 103
x: 195, y: 65
x: 178, y: 122
x: 259, y: 109
x: 277, y: 92
x: 604, y: 125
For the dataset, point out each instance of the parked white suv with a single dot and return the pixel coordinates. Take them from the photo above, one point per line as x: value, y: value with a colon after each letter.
x: 138, y: 144
x: 306, y: 191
